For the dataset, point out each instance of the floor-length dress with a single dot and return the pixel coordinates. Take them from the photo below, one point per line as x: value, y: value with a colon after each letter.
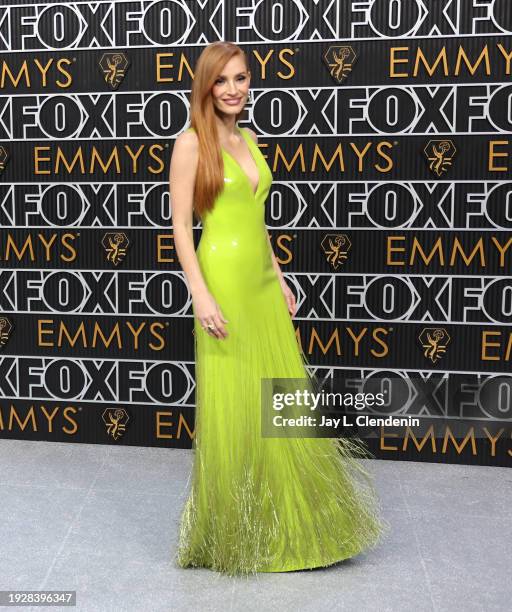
x: 260, y: 504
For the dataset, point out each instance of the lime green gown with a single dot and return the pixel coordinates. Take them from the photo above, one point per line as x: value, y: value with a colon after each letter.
x: 261, y: 504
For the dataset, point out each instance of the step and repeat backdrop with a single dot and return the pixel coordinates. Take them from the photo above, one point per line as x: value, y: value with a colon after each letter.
x: 387, y: 126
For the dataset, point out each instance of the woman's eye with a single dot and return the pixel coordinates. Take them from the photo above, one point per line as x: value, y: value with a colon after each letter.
x: 219, y: 81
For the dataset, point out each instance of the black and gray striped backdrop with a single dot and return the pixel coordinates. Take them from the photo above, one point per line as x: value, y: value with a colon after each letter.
x: 387, y: 125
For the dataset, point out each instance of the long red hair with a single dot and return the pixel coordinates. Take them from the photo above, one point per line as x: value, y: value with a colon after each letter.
x: 210, y: 167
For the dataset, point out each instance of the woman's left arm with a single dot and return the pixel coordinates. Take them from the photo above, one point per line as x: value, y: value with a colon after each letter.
x: 287, y: 292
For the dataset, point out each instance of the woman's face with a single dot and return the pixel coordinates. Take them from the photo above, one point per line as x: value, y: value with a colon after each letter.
x: 231, y: 87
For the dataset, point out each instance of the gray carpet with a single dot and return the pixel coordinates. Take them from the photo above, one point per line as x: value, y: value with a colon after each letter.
x: 102, y: 520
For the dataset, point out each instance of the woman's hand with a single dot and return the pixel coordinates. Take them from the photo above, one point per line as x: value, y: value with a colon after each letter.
x: 209, y: 314
x: 289, y: 297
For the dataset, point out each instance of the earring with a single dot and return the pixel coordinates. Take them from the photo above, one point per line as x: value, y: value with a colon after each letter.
x: 250, y: 97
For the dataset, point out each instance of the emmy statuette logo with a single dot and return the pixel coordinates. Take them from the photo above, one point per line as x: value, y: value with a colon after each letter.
x: 339, y: 60
x: 434, y: 341
x: 4, y: 156
x: 440, y: 154
x: 114, y: 67
x: 5, y: 330
x: 115, y: 420
x: 115, y: 245
x: 335, y: 248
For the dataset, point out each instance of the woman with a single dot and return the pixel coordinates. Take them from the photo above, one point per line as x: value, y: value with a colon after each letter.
x: 257, y: 504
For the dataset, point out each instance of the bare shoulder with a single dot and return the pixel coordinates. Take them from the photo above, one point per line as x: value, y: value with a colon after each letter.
x: 184, y: 158
x: 253, y: 134
x: 186, y: 141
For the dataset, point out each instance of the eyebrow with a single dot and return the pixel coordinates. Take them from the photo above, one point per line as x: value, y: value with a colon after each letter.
x: 223, y: 75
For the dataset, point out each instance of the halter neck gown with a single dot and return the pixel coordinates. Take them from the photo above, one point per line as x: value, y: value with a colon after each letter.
x: 261, y: 504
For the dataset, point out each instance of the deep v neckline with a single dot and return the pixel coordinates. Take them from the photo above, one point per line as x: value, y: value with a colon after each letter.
x: 254, y: 192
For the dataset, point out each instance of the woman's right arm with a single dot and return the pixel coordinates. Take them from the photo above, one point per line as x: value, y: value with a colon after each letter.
x: 182, y: 175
